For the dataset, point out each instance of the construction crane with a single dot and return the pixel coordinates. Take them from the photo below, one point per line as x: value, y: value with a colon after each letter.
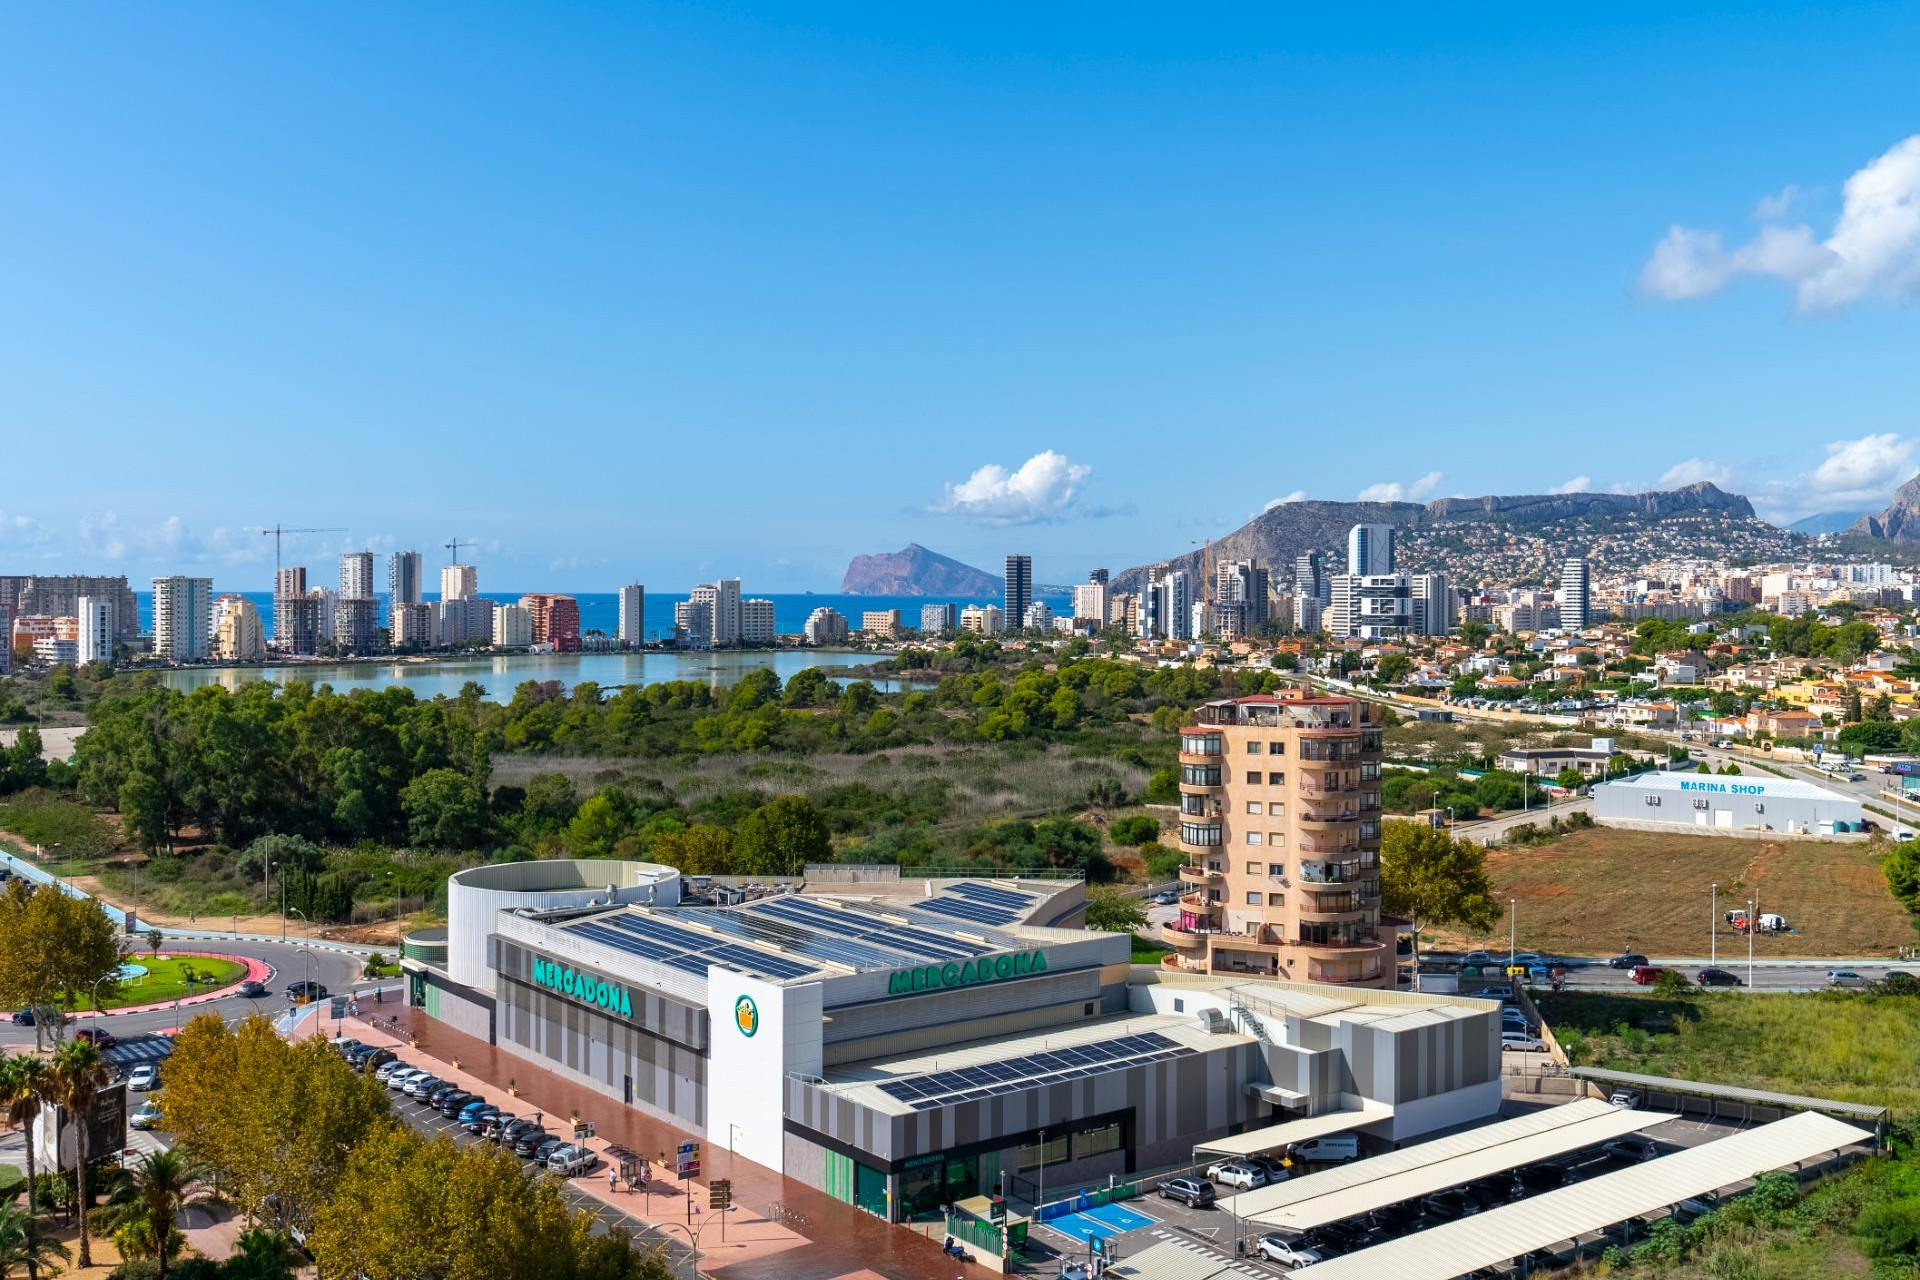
x: 275, y: 533
x: 454, y: 547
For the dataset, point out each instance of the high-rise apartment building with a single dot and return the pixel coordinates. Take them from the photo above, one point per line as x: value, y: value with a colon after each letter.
x: 182, y: 618
x: 1245, y: 583
x: 1432, y: 605
x: 693, y: 622
x: 1575, y: 598
x: 356, y: 575
x: 1370, y: 550
x: 356, y: 619
x: 722, y: 599
x: 6, y: 637
x: 756, y: 622
x: 459, y: 582
x: 1098, y: 576
x: 556, y: 621
x: 1090, y: 603
x: 1038, y: 617
x: 1018, y: 593
x: 96, y: 631
x: 633, y: 615
x: 826, y: 626
x: 1376, y: 607
x: 939, y: 619
x: 982, y: 619
x: 410, y: 626
x: 296, y: 623
x: 237, y: 633
x: 463, y: 620
x: 512, y: 626
x: 1310, y: 578
x: 880, y: 624
x: 59, y: 596
x: 404, y: 584
x: 1123, y: 611
x: 1280, y: 824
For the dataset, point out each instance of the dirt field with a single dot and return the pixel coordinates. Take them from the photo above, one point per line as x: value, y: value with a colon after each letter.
x: 1602, y: 891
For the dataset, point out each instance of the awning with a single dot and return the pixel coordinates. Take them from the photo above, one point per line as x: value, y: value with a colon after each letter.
x: 1275, y: 1136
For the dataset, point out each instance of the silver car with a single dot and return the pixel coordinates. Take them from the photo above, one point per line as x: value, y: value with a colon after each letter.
x: 571, y: 1159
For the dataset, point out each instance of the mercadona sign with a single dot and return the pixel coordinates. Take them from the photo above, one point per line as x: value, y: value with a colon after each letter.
x: 583, y: 987
x: 966, y: 973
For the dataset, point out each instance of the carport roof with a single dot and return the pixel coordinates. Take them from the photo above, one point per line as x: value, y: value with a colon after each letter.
x: 1278, y: 1135
x: 1542, y: 1221
x: 1733, y: 1093
x: 1252, y: 1204
x: 1171, y: 1260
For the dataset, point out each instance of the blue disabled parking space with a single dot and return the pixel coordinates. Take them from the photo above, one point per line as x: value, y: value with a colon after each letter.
x: 1105, y: 1221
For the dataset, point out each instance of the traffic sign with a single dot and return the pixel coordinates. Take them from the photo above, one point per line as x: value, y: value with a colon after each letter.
x: 686, y: 1159
x: 720, y: 1194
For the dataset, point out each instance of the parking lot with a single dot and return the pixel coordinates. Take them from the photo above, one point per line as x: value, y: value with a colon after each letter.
x: 1214, y: 1231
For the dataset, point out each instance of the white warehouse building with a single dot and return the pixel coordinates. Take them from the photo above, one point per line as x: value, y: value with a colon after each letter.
x: 1725, y: 803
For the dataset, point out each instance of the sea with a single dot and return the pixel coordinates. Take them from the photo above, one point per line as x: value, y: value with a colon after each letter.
x: 500, y: 675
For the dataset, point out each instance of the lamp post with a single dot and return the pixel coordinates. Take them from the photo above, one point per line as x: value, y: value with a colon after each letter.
x: 1751, y: 919
x: 283, y: 920
x: 1713, y: 925
x: 1513, y: 929
x: 1040, y: 1178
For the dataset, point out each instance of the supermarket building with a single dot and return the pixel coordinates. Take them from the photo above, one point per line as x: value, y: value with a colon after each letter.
x: 905, y: 1046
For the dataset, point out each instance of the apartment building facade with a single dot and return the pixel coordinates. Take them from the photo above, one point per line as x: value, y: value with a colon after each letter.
x: 97, y: 630
x: 633, y: 615
x: 1280, y: 825
x: 182, y: 618
x: 459, y: 582
x: 404, y: 584
x: 556, y: 620
x: 356, y: 575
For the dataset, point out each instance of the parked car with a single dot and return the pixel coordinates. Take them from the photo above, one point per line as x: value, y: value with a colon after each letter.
x: 509, y: 1133
x: 147, y: 1116
x: 347, y: 1045
x: 483, y: 1120
x: 544, y: 1148
x: 1448, y: 1205
x: 444, y: 1089
x: 1476, y: 960
x: 1166, y: 899
x: 22, y: 1018
x: 421, y: 1085
x: 97, y: 1037
x: 1633, y: 1147
x: 1718, y: 978
x: 529, y: 1138
x: 1490, y: 1193
x: 1191, y: 1192
x: 1626, y: 1099
x: 1647, y: 974
x: 1844, y: 978
x: 143, y: 1077
x: 372, y: 1062
x: 472, y: 1107
x: 1627, y: 960
x: 253, y: 989
x: 1528, y: 959
x: 1288, y: 1253
x: 567, y: 1160
x: 392, y: 1067
x: 449, y: 1104
x: 1540, y: 1177
x: 1242, y: 1175
x: 1520, y: 1042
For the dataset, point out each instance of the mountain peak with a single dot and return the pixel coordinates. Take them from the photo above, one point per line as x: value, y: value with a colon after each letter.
x: 1900, y: 522
x: 916, y: 571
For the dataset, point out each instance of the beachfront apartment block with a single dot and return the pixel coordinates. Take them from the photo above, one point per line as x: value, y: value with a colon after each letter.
x: 1280, y: 825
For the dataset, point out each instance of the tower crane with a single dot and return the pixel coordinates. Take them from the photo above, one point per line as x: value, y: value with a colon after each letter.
x: 275, y: 533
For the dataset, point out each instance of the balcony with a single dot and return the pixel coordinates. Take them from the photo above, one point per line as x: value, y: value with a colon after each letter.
x: 1327, y: 818
x: 1330, y: 844
x: 1352, y: 913
x: 1199, y: 806
x: 1345, y: 872
x: 1174, y: 936
x: 1201, y: 747
x: 1331, y: 784
x: 1199, y: 903
x: 1317, y: 750
x: 1200, y: 835
x: 1192, y: 874
x: 1368, y: 971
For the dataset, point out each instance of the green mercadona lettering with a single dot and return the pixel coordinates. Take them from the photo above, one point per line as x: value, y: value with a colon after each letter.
x: 962, y: 973
x: 583, y: 987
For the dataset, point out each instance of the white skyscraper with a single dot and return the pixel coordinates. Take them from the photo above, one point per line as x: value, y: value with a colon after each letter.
x: 1370, y: 550
x: 356, y: 575
x: 459, y: 582
x: 182, y: 618
x: 512, y: 626
x: 722, y: 599
x: 633, y: 615
x: 1375, y: 607
x: 756, y: 622
x: 1575, y: 600
x: 96, y: 619
x: 1090, y: 603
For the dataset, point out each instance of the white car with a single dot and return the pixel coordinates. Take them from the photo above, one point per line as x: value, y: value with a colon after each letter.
x: 147, y: 1116
x: 419, y: 1084
x: 1520, y: 1042
x: 1283, y: 1251
x: 399, y: 1079
x: 1242, y: 1177
x: 143, y: 1077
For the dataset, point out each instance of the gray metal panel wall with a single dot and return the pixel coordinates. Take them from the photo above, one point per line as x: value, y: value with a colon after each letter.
x: 892, y: 1014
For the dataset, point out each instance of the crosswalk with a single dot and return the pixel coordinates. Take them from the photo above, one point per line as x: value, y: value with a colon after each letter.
x: 1181, y: 1242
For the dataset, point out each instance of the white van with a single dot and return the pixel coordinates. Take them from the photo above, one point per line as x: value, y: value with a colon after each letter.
x: 1340, y: 1147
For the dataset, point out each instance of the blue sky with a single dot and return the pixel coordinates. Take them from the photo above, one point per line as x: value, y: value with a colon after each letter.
x: 669, y: 291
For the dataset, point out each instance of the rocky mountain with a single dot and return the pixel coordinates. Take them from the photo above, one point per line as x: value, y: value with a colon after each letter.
x: 1827, y: 522
x: 1900, y: 522
x: 1488, y: 538
x: 916, y: 571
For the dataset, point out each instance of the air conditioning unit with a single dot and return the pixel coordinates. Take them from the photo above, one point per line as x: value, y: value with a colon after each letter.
x: 1212, y: 1019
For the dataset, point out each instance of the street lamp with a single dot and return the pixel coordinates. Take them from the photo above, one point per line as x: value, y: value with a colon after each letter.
x: 1752, y: 920
x: 1713, y: 925
x: 1513, y: 928
x: 283, y: 920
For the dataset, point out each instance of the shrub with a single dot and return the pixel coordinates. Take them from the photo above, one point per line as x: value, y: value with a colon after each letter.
x: 1162, y: 863
x: 1134, y: 831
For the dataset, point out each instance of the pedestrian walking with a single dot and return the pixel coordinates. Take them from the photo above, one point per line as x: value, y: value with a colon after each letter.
x: 613, y: 1181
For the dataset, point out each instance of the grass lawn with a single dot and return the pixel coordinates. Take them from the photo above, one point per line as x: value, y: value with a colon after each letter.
x: 1605, y: 890
x: 1853, y: 1046
x: 166, y: 979
x: 1147, y: 951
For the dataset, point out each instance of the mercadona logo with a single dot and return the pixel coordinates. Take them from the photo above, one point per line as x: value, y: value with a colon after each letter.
x: 746, y: 1015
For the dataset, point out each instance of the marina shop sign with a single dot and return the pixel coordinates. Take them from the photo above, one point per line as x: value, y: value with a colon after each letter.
x: 966, y: 973
x: 583, y: 987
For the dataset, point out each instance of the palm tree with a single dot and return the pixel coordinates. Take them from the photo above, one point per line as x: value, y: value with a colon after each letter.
x: 144, y: 1203
x: 23, y: 1246
x: 23, y: 1086
x: 261, y: 1255
x: 75, y: 1081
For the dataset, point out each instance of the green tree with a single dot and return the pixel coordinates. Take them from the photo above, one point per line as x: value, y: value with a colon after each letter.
x: 1393, y: 668
x: 54, y: 947
x: 599, y: 824
x: 701, y: 850
x: 155, y: 940
x: 445, y: 809
x: 1902, y: 869
x: 780, y: 838
x: 1133, y: 831
x: 1111, y: 909
x: 144, y: 809
x: 74, y: 1081
x: 25, y: 1083
x: 550, y: 802
x: 260, y: 858
x: 1432, y: 879
x: 261, y: 1254
x: 25, y: 1244
x: 141, y: 1210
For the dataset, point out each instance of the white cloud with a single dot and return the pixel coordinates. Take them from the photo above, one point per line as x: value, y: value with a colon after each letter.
x: 1045, y: 487
x: 1693, y: 471
x: 1394, y: 491
x: 1873, y: 248
x: 1864, y: 470
x: 1579, y: 484
x: 1298, y: 495
x: 1774, y: 207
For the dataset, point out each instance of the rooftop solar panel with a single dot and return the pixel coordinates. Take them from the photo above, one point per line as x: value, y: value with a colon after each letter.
x: 940, y: 1088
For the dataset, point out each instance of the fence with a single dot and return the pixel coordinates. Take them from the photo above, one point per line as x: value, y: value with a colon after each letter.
x: 1083, y: 1200
x: 983, y: 1236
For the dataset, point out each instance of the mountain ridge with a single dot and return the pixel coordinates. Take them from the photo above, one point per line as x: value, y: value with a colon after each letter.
x: 916, y: 571
x: 1899, y: 522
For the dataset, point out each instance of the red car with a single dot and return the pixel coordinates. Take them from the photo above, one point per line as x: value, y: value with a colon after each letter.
x: 97, y: 1038
x: 1647, y: 974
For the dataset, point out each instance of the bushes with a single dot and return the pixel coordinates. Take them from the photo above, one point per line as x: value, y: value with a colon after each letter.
x: 1133, y: 831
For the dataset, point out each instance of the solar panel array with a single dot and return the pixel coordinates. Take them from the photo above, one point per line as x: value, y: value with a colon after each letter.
x: 980, y: 903
x: 1055, y: 1066
x: 689, y: 951
x: 907, y: 943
